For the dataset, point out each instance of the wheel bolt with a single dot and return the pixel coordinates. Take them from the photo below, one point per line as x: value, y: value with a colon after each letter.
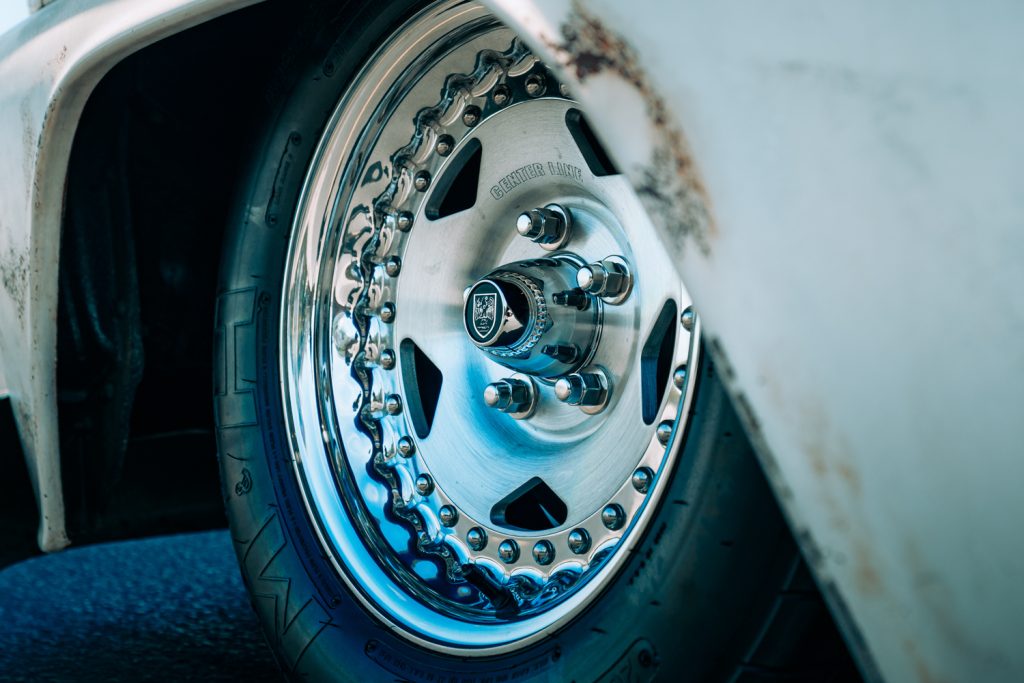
x: 642, y: 479
x: 579, y: 541
x: 421, y: 181
x: 424, y: 484
x: 393, y: 266
x: 513, y: 396
x: 548, y: 226
x: 406, y: 447
x: 476, y: 538
x: 574, y: 298
x: 444, y: 145
x: 543, y: 552
x: 393, y: 404
x: 664, y: 431
x: 471, y: 115
x: 535, y: 85
x: 404, y: 221
x: 387, y: 359
x: 613, y: 517
x: 508, y: 551
x: 688, y: 319
x: 582, y: 389
x: 448, y: 515
x: 607, y: 279
x: 679, y: 377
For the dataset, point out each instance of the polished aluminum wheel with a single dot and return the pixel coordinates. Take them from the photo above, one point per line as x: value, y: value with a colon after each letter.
x: 482, y: 353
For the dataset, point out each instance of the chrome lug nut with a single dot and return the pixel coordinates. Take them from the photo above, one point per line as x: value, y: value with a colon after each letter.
x: 609, y: 279
x: 393, y: 266
x: 642, y: 479
x: 406, y: 447
x: 448, y: 515
x: 578, y: 541
x: 549, y: 226
x: 476, y: 538
x: 515, y: 397
x: 664, y: 431
x: 508, y: 551
x: 613, y: 517
x: 687, y: 319
x: 585, y: 389
x: 424, y: 485
x: 543, y: 552
x: 393, y: 404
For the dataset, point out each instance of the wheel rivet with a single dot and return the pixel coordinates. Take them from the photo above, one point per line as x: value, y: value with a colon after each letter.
x: 404, y: 221
x: 393, y: 266
x: 578, y: 541
x: 564, y: 89
x: 471, y: 115
x: 444, y: 145
x: 679, y: 377
x: 406, y: 447
x: 476, y: 538
x: 687, y: 319
x: 543, y: 552
x: 387, y: 359
x: 421, y: 181
x: 424, y: 484
x: 613, y: 517
x: 549, y: 226
x: 501, y: 95
x: 582, y: 389
x: 508, y: 551
x: 642, y: 479
x: 534, y: 85
x: 448, y: 515
x: 664, y: 431
x: 513, y: 396
x: 387, y: 311
x: 393, y: 404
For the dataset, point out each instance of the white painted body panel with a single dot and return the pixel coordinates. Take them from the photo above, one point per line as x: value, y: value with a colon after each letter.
x: 844, y: 198
x: 863, y: 169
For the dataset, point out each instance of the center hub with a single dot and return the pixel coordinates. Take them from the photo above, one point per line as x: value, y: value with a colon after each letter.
x: 532, y: 317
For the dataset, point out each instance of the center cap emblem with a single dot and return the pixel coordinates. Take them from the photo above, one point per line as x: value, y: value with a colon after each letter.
x: 491, y: 317
x: 485, y: 313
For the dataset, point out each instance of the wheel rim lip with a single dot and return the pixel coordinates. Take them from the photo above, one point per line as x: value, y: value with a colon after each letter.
x: 336, y: 524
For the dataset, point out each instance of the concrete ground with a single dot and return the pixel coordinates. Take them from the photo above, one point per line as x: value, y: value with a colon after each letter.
x: 168, y: 608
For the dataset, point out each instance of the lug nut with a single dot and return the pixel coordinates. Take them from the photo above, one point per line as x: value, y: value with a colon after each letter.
x: 664, y: 431
x: 387, y: 311
x: 471, y: 115
x: 549, y: 226
x: 543, y: 552
x: 688, y: 319
x: 448, y: 515
x: 424, y: 484
x: 476, y: 538
x: 607, y: 279
x: 574, y: 298
x: 582, y: 389
x: 508, y: 551
x: 406, y: 447
x: 613, y: 517
x: 387, y: 359
x: 513, y: 396
x: 393, y: 266
x: 679, y: 377
x: 579, y: 541
x: 393, y: 404
x: 444, y: 145
x: 642, y: 479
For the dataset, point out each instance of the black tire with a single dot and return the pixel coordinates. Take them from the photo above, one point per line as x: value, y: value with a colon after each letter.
x: 690, y: 603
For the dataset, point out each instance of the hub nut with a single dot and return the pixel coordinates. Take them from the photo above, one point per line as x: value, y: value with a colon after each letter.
x: 550, y: 226
x: 584, y: 389
x: 609, y: 279
x: 515, y: 397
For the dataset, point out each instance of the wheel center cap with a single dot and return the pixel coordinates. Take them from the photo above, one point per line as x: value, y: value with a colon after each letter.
x: 530, y: 316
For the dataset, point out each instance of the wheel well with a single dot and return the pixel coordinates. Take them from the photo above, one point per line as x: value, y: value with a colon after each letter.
x: 161, y: 144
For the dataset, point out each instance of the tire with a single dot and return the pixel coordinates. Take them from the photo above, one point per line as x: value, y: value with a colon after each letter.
x: 691, y: 600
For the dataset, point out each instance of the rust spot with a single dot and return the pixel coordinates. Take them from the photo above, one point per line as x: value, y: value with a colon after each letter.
x: 669, y: 184
x: 14, y: 279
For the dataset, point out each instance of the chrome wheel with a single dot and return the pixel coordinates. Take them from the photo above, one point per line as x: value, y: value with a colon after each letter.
x: 482, y: 357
